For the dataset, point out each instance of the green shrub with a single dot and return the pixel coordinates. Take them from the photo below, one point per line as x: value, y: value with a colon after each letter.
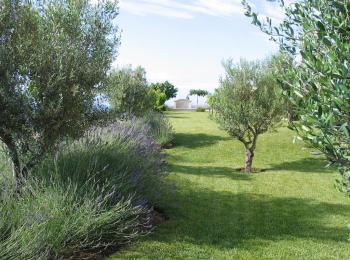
x: 159, y: 100
x: 200, y: 109
x: 94, y: 194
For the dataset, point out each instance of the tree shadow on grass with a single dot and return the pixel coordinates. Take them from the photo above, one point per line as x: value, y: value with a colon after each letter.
x: 178, y: 114
x: 311, y: 165
x: 226, y: 220
x: 210, y: 171
x: 197, y: 140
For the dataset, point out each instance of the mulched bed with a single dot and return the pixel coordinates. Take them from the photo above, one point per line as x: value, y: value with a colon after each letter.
x: 168, y: 146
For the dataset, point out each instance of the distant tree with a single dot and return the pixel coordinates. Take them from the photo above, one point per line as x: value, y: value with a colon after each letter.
x: 166, y: 87
x: 159, y: 100
x: 247, y: 103
x: 54, y: 55
x: 128, y: 92
x: 316, y: 34
x: 198, y: 93
x: 210, y: 101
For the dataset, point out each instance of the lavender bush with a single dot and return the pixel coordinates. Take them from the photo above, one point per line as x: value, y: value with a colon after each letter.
x: 160, y: 128
x: 122, y: 153
x: 93, y: 194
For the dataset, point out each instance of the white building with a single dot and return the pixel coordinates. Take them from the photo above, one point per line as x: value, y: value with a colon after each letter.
x: 182, y: 104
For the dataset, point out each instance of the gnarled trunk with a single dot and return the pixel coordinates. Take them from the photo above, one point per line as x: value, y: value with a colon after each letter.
x: 16, y: 163
x: 249, y: 155
x: 19, y: 169
x: 290, y: 114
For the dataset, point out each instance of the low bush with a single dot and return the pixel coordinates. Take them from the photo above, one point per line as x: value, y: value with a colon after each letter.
x: 160, y: 128
x: 123, y: 155
x: 94, y: 194
x: 200, y: 109
x: 54, y: 222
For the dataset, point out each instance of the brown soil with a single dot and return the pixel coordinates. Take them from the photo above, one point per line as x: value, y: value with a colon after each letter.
x: 168, y: 146
x: 157, y: 217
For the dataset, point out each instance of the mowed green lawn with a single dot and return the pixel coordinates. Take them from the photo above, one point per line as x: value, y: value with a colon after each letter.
x: 290, y: 211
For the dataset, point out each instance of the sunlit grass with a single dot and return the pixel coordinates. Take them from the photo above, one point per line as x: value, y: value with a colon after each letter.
x: 290, y: 211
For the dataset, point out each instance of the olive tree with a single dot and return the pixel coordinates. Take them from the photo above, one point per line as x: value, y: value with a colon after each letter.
x: 247, y: 103
x: 54, y: 55
x: 284, y: 68
x: 128, y: 91
x: 315, y: 33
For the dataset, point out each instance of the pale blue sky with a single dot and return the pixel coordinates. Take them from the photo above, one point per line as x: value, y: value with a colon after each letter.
x: 185, y: 41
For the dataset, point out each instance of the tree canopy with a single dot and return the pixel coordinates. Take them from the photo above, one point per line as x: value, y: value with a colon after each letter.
x: 198, y: 92
x: 247, y: 103
x: 54, y: 55
x: 167, y: 88
x: 159, y: 100
x: 315, y: 35
x: 128, y: 92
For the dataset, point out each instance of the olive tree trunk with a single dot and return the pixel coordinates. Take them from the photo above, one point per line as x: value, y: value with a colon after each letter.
x: 14, y: 156
x: 20, y: 170
x: 249, y: 156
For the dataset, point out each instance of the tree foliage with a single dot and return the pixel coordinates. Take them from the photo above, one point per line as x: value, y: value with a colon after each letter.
x: 316, y: 32
x: 247, y: 103
x: 284, y: 68
x: 210, y: 101
x: 53, y: 57
x: 167, y: 88
x: 159, y: 100
x: 128, y: 92
x: 198, y: 93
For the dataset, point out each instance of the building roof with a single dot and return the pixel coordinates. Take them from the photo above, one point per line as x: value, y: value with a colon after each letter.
x: 187, y: 100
